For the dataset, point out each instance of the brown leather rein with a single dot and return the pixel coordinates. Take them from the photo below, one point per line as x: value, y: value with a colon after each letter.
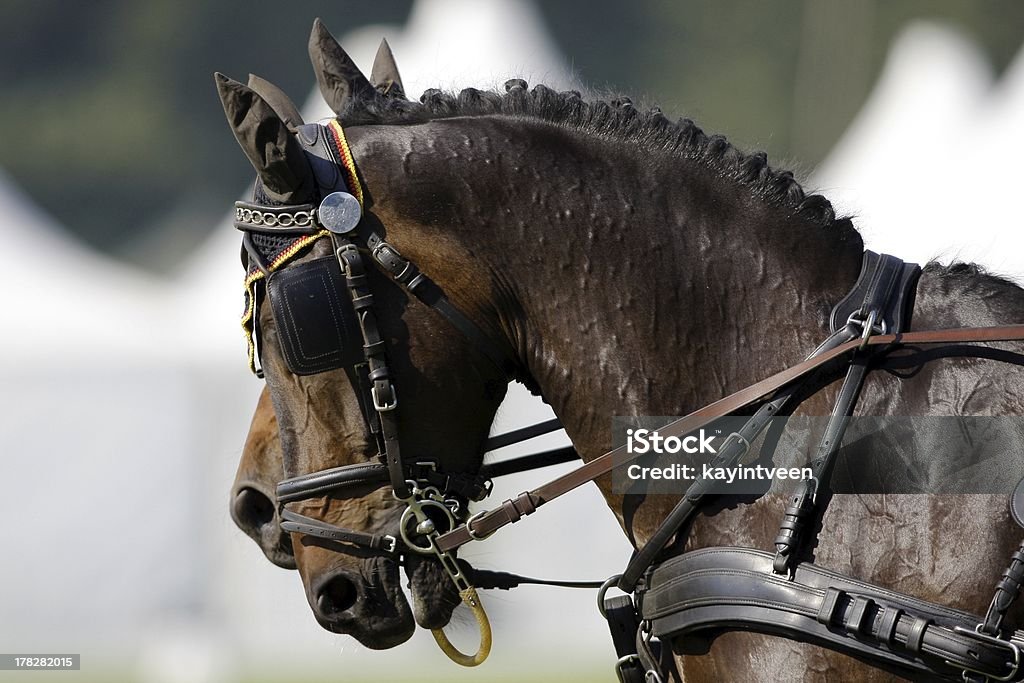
x: 483, y: 524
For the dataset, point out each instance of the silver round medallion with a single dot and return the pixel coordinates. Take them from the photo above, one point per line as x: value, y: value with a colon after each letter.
x: 339, y: 212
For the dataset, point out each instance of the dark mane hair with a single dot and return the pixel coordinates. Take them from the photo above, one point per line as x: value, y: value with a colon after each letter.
x: 617, y: 119
x: 978, y: 278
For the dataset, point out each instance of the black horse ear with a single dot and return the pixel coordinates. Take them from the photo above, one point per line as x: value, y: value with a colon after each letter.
x: 340, y: 80
x: 278, y: 101
x: 272, y: 150
x: 384, y: 74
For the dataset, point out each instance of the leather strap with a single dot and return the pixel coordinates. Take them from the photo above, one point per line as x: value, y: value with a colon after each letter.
x: 524, y: 434
x: 729, y: 454
x: 406, y: 274
x: 799, y: 514
x: 325, y: 482
x: 623, y: 624
x: 488, y: 579
x: 689, y: 504
x: 886, y: 285
x: 696, y: 596
x: 489, y: 522
x: 293, y: 522
x: 382, y: 390
x: 530, y: 462
x: 1007, y: 591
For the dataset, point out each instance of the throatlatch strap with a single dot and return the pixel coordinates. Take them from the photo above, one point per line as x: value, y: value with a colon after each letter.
x: 406, y: 274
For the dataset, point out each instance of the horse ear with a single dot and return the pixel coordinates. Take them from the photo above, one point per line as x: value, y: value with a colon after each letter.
x: 272, y: 150
x: 340, y: 80
x: 278, y: 101
x: 384, y: 74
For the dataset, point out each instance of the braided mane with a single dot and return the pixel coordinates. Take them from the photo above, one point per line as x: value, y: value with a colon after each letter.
x: 617, y: 119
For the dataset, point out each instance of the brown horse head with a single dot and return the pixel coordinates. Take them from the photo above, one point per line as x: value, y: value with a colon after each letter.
x: 253, y: 500
x: 448, y: 391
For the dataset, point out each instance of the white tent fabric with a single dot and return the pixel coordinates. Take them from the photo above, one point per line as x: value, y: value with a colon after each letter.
x: 928, y: 168
x: 98, y: 498
x: 68, y: 292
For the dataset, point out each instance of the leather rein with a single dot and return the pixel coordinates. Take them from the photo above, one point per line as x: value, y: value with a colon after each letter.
x: 436, y: 520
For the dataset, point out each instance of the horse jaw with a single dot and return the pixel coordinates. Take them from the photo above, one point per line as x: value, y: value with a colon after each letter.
x: 434, y: 596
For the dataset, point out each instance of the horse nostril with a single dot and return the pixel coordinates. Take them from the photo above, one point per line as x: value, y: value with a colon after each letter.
x: 336, y: 596
x: 252, y: 510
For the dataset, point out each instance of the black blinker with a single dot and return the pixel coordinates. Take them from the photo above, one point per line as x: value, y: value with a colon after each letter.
x: 316, y: 323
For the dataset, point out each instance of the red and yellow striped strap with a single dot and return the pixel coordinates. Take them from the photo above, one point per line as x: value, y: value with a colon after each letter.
x: 347, y: 162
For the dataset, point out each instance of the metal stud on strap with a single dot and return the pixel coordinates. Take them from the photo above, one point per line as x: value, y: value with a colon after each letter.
x: 340, y: 213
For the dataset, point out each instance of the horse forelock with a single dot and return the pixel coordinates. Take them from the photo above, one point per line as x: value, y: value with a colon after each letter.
x: 616, y: 119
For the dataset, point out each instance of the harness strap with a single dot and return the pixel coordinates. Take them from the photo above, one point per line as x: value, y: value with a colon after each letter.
x: 487, y: 523
x: 486, y: 578
x: 382, y: 390
x: 688, y: 506
x: 885, y: 292
x: 301, y: 524
x: 374, y: 475
x: 729, y: 454
x: 322, y: 482
x: 623, y: 624
x: 697, y: 596
x: 806, y: 501
x: 405, y: 273
x: 1007, y: 592
x: 886, y: 285
x: 523, y: 434
x: 530, y: 462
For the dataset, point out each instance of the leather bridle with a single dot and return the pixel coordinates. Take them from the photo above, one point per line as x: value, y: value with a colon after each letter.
x: 421, y: 484
x: 793, y: 599
x: 435, y: 500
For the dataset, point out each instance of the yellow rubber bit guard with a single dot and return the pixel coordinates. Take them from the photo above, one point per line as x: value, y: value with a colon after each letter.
x: 471, y: 600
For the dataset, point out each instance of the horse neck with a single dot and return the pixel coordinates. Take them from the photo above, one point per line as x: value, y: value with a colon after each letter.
x: 630, y: 282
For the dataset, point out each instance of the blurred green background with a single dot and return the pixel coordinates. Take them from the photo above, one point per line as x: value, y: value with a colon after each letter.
x: 110, y: 103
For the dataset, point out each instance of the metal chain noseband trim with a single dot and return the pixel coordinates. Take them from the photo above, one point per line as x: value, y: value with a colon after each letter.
x: 246, y: 216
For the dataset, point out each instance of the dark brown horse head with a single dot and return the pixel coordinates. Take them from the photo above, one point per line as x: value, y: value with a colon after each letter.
x: 448, y: 391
